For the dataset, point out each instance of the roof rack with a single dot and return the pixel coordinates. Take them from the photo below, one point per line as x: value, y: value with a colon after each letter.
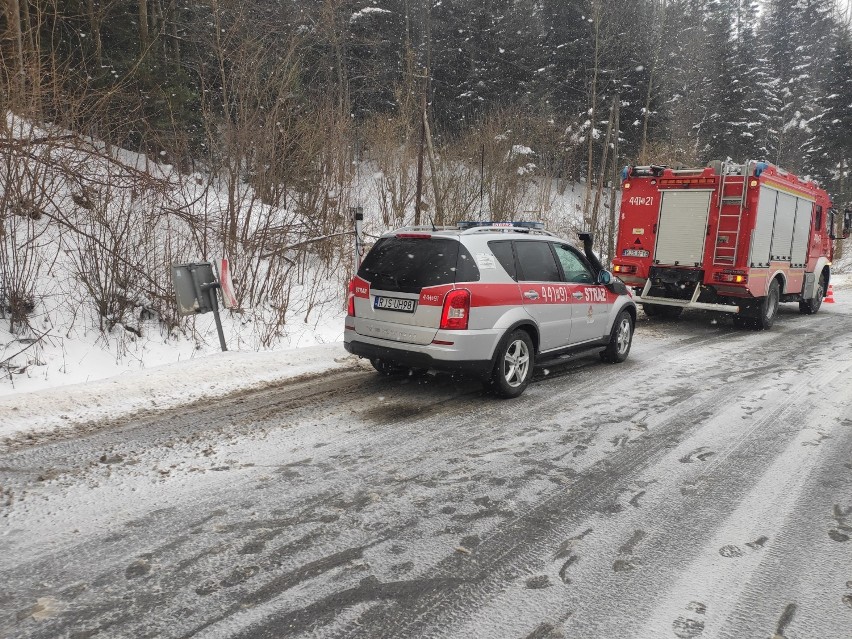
x: 469, y: 227
x: 536, y: 228
x: 421, y: 228
x: 516, y: 224
x: 507, y: 229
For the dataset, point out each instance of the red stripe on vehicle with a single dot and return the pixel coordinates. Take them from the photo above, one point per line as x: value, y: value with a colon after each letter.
x: 434, y: 295
x: 482, y: 295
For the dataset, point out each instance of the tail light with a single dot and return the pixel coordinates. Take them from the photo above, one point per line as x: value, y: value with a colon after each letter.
x: 350, y: 308
x: 731, y: 278
x: 456, y: 310
x: 624, y: 268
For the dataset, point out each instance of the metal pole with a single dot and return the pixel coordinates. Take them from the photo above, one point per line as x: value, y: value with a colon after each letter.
x: 214, y: 303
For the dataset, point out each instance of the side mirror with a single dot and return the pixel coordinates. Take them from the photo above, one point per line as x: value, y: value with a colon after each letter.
x: 847, y: 222
x: 605, y: 278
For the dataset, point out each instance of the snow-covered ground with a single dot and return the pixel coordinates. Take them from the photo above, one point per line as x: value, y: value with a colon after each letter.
x: 701, y: 488
x: 202, y: 377
x: 164, y: 386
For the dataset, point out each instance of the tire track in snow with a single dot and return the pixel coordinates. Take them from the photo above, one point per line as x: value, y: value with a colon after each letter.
x: 404, y: 460
x: 501, y: 553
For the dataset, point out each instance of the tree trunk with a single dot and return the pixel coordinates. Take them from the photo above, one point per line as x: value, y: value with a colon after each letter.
x: 95, y: 27
x: 613, y: 192
x: 844, y: 202
x: 143, y: 27
x: 13, y: 20
x: 418, y: 192
x: 602, y: 174
x: 646, y: 113
x: 174, y: 17
x: 593, y: 99
x: 439, y: 208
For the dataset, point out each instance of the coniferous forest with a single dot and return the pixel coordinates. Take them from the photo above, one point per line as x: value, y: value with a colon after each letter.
x: 691, y: 79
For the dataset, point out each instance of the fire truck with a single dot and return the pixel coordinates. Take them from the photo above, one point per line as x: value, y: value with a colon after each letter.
x: 737, y: 238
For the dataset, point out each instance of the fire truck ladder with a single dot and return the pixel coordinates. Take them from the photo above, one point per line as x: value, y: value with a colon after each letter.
x: 729, y: 224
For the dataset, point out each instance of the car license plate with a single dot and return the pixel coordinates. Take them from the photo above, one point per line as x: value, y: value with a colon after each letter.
x: 394, y: 304
x: 634, y: 253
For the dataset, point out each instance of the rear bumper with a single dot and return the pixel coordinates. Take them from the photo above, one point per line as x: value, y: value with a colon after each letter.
x: 668, y: 301
x: 419, y: 358
x: 646, y: 298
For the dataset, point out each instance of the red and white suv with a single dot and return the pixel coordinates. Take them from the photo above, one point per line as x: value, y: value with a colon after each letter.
x: 484, y: 299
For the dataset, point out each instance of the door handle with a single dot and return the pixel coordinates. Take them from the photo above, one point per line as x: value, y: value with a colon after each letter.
x: 531, y: 295
x: 577, y: 296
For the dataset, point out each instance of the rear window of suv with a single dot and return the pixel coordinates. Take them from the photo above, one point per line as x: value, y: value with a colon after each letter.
x: 407, y: 265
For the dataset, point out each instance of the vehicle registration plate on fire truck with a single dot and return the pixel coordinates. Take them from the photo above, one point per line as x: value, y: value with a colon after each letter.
x: 634, y: 253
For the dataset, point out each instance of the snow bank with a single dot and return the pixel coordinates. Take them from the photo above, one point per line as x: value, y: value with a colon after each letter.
x: 163, y: 387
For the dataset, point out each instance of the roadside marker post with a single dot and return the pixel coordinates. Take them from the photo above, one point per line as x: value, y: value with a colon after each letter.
x: 195, y: 288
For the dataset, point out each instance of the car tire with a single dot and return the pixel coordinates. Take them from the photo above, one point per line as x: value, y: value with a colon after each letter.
x: 811, y: 306
x: 620, y: 339
x: 514, y: 365
x: 386, y: 368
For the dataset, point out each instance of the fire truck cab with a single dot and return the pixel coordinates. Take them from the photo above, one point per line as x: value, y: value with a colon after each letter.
x: 737, y: 238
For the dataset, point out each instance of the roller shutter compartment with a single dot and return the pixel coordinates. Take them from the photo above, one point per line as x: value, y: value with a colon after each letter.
x: 682, y: 228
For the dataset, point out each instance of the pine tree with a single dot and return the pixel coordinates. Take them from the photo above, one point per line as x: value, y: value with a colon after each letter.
x: 682, y: 79
x: 719, y: 102
x: 796, y: 35
x: 829, y: 155
x: 737, y: 129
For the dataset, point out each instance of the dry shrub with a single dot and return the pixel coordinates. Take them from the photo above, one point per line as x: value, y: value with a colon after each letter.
x: 390, y: 150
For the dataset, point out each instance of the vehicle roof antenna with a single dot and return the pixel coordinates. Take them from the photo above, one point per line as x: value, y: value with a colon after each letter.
x: 432, y: 222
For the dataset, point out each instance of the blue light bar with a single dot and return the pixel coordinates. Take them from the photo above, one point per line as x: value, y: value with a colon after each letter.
x: 519, y: 225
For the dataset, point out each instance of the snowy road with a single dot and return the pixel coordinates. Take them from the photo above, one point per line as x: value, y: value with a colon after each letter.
x: 701, y: 489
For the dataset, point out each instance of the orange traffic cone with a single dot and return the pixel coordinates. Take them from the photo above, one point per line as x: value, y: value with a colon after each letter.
x: 829, y: 298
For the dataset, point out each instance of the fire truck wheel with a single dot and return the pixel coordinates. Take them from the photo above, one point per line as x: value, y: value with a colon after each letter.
x: 514, y: 366
x: 762, y: 315
x: 664, y: 312
x: 811, y: 306
x: 385, y: 367
x: 769, y: 307
x: 620, y: 339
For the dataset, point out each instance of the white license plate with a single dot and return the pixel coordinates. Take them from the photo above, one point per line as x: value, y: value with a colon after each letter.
x: 394, y: 304
x: 634, y: 253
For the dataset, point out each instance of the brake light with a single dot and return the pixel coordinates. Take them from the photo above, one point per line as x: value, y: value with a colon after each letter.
x: 731, y: 278
x: 350, y: 308
x: 456, y: 310
x: 414, y: 236
x: 624, y: 268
